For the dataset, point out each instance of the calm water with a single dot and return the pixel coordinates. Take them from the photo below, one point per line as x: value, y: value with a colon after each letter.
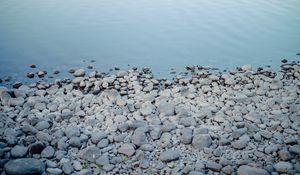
x: 160, y: 34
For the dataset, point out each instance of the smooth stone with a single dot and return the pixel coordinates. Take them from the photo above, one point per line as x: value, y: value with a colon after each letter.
x: 127, y: 149
x: 166, y: 108
x: 138, y: 138
x: 42, y: 125
x: 201, y: 141
x: 54, y: 171
x: 186, y: 135
x: 24, y: 166
x: 90, y: 153
x: 102, y: 160
x: 283, y: 167
x: 36, y: 148
x: 67, y: 168
x: 19, y: 151
x: 97, y: 136
x: 169, y: 155
x: 248, y: 170
x: 72, y: 131
x: 48, y: 152
x: 79, y: 73
x: 242, y: 142
x: 213, y: 166
x: 75, y: 141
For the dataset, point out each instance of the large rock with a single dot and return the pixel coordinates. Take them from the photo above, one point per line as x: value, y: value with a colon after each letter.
x: 90, y: 153
x: 283, y: 167
x: 248, y: 170
x: 201, y: 141
x: 24, y: 166
x: 169, y: 155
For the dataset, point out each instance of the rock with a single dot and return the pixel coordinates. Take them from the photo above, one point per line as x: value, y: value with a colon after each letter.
x: 67, y: 168
x: 54, y: 171
x: 91, y: 153
x: 97, y: 136
x: 284, y: 155
x: 195, y: 173
x: 127, y: 149
x: 213, y: 166
x: 36, y: 148
x: 295, y: 149
x: 75, y: 141
x: 77, y: 165
x: 186, y: 135
x: 16, y: 85
x: 103, y: 143
x: 122, y: 73
x: 139, y: 138
x: 16, y: 101
x: 102, y: 160
x: 247, y: 67
x: 242, y: 142
x: 283, y: 167
x: 201, y: 141
x: 18, y: 151
x: 41, y: 73
x: 166, y: 108
x: 42, y: 125
x: 248, y: 170
x: 48, y: 152
x: 32, y: 66
x: 72, y: 131
x: 169, y: 155
x: 24, y: 166
x: 30, y: 75
x: 79, y: 73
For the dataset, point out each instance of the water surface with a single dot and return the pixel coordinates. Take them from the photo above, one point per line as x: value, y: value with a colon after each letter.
x: 160, y: 34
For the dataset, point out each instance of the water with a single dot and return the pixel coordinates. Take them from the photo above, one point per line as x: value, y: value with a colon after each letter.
x: 160, y: 34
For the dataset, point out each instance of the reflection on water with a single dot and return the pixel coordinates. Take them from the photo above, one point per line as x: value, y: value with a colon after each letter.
x: 160, y: 34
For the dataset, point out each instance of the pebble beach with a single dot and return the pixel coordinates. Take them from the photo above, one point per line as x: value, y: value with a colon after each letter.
x: 242, y: 121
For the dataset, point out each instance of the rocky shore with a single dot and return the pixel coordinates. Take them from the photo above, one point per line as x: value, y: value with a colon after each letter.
x: 241, y: 122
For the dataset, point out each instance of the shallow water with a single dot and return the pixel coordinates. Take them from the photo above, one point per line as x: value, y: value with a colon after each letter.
x: 160, y: 34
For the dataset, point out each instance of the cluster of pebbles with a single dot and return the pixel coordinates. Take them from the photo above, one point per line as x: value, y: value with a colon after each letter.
x: 237, y: 122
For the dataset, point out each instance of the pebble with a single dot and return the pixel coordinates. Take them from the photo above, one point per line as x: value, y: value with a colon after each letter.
x: 48, y: 152
x: 283, y: 167
x: 91, y: 153
x: 127, y: 149
x: 248, y: 170
x: 79, y: 73
x: 169, y: 155
x: 201, y: 141
x: 19, y: 151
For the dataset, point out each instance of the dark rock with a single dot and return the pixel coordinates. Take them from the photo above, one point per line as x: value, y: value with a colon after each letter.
x: 36, y: 148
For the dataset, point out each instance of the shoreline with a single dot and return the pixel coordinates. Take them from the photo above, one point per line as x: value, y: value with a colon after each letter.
x: 207, y: 122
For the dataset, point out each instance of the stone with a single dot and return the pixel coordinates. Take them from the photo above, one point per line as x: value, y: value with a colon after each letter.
x: 139, y: 138
x: 201, y: 141
x: 284, y: 155
x: 169, y: 155
x: 42, y: 125
x: 283, y: 167
x: 166, y: 108
x: 97, y: 136
x: 24, y: 166
x: 72, y: 131
x: 79, y: 73
x: 248, y: 170
x: 19, y: 151
x: 127, y: 149
x: 102, y: 160
x: 54, y: 171
x: 67, y: 168
x: 75, y: 141
x: 36, y: 148
x: 186, y: 135
x: 213, y: 166
x: 48, y: 152
x: 91, y: 153
x: 241, y: 142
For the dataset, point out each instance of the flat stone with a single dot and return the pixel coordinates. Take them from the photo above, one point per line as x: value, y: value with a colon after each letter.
x: 248, y: 170
x: 283, y: 167
x: 19, y: 151
x: 90, y: 153
x: 127, y: 149
x: 169, y: 155
x: 48, y: 152
x: 139, y: 138
x: 201, y: 141
x: 24, y: 166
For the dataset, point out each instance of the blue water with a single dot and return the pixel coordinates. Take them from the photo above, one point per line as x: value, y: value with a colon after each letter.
x: 160, y: 34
